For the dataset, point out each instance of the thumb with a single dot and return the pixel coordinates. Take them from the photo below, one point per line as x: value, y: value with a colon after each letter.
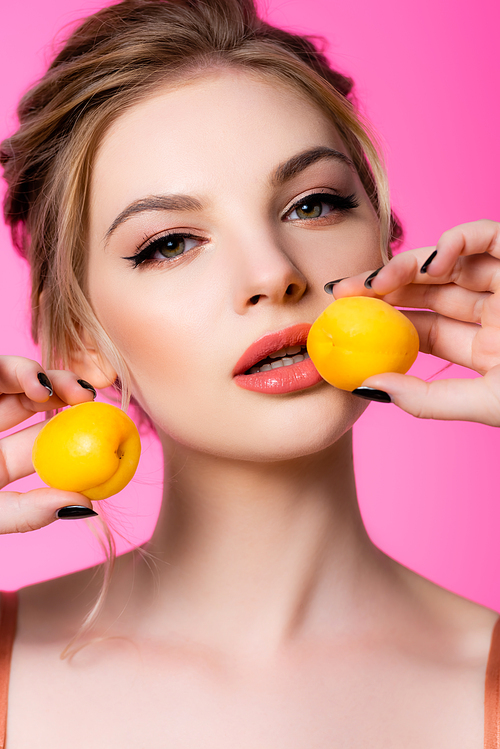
x: 451, y: 399
x: 40, y: 507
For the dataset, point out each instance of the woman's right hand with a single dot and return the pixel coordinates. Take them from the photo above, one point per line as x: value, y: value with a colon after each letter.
x: 22, y: 394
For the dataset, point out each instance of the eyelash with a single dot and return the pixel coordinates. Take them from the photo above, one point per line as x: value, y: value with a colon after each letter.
x: 341, y: 203
x: 146, y: 254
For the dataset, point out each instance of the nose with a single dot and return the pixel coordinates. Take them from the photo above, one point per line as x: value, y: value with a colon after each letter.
x: 264, y: 273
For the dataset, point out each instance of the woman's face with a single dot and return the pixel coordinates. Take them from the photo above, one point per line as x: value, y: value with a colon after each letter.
x: 204, y: 239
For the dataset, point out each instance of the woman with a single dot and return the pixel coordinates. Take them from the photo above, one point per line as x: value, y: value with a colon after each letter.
x: 184, y: 183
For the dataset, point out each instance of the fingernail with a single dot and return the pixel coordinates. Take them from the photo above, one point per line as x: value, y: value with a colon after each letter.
x: 87, y: 386
x: 371, y: 394
x: 44, y: 380
x: 429, y: 260
x: 328, y: 287
x: 74, y: 512
x: 368, y: 281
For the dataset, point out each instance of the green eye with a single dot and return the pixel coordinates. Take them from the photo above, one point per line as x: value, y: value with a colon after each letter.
x: 309, y: 209
x: 320, y: 205
x: 166, y: 247
x: 171, y: 246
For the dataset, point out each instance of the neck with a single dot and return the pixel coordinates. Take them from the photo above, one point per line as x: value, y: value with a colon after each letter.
x: 263, y: 549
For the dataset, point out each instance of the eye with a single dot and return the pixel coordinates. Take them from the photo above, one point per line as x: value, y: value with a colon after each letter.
x: 167, y: 247
x: 319, y: 205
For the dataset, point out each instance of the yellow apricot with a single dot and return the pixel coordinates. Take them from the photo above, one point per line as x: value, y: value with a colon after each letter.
x: 357, y: 337
x: 91, y: 448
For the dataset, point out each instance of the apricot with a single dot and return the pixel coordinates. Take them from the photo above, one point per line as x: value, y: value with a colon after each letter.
x: 357, y: 337
x: 91, y: 448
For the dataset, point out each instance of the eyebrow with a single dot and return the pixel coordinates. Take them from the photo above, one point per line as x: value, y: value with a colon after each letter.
x: 284, y: 172
x: 301, y: 161
x: 154, y: 203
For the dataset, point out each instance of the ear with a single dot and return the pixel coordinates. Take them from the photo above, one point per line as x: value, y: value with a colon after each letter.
x: 91, y: 365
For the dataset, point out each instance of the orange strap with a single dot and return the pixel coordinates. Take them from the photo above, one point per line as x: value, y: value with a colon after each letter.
x: 492, y: 693
x: 8, y: 621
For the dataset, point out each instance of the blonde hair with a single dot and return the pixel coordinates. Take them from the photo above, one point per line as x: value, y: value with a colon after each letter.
x: 114, y: 59
x: 111, y: 61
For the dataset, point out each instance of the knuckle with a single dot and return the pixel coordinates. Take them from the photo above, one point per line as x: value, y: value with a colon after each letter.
x: 421, y: 411
x: 429, y: 296
x: 27, y: 513
x: 457, y: 270
x: 4, y: 471
x: 488, y: 223
x: 433, y: 333
x: 478, y: 306
x: 26, y: 525
x: 451, y: 232
x: 28, y: 405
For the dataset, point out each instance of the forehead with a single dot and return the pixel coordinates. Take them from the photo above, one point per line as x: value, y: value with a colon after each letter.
x: 218, y: 131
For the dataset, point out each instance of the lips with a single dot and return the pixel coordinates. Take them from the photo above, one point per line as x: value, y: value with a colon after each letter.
x: 298, y: 376
x: 295, y: 335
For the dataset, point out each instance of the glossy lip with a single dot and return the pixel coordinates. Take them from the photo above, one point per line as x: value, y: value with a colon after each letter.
x: 295, y: 335
x: 284, y: 379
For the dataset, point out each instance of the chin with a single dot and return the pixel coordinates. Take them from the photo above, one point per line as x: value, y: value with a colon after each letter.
x: 270, y: 431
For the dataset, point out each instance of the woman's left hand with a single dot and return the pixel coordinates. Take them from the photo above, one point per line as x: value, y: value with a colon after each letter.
x: 461, y: 288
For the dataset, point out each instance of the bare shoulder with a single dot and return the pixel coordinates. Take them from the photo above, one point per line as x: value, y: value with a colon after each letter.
x: 465, y: 626
x: 53, y: 610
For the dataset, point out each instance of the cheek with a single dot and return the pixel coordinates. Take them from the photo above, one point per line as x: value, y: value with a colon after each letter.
x: 167, y: 331
x: 351, y: 248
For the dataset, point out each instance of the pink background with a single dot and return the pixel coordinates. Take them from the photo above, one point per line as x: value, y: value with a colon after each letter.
x: 427, y: 75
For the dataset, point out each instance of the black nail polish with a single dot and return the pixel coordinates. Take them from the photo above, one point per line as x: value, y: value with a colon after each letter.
x: 87, y: 386
x: 75, y: 512
x: 328, y: 287
x: 44, y: 380
x: 429, y: 260
x: 368, y: 281
x: 371, y: 394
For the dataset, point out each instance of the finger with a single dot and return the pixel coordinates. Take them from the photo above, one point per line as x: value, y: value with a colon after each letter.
x: 477, y: 273
x: 448, y: 300
x: 14, y: 409
x: 453, y: 302
x: 452, y: 399
x: 480, y: 273
x: 457, y: 342
x: 15, y: 454
x: 68, y: 390
x: 21, y: 375
x: 467, y: 255
x: 399, y: 271
x: 20, y: 513
x: 472, y: 238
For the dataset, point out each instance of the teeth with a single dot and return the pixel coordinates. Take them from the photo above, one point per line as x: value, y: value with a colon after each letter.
x: 278, y: 354
x: 281, y: 363
x: 291, y: 350
x: 285, y: 361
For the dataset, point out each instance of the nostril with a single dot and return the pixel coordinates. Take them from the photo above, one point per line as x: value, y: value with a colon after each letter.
x: 255, y: 299
x: 289, y: 290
